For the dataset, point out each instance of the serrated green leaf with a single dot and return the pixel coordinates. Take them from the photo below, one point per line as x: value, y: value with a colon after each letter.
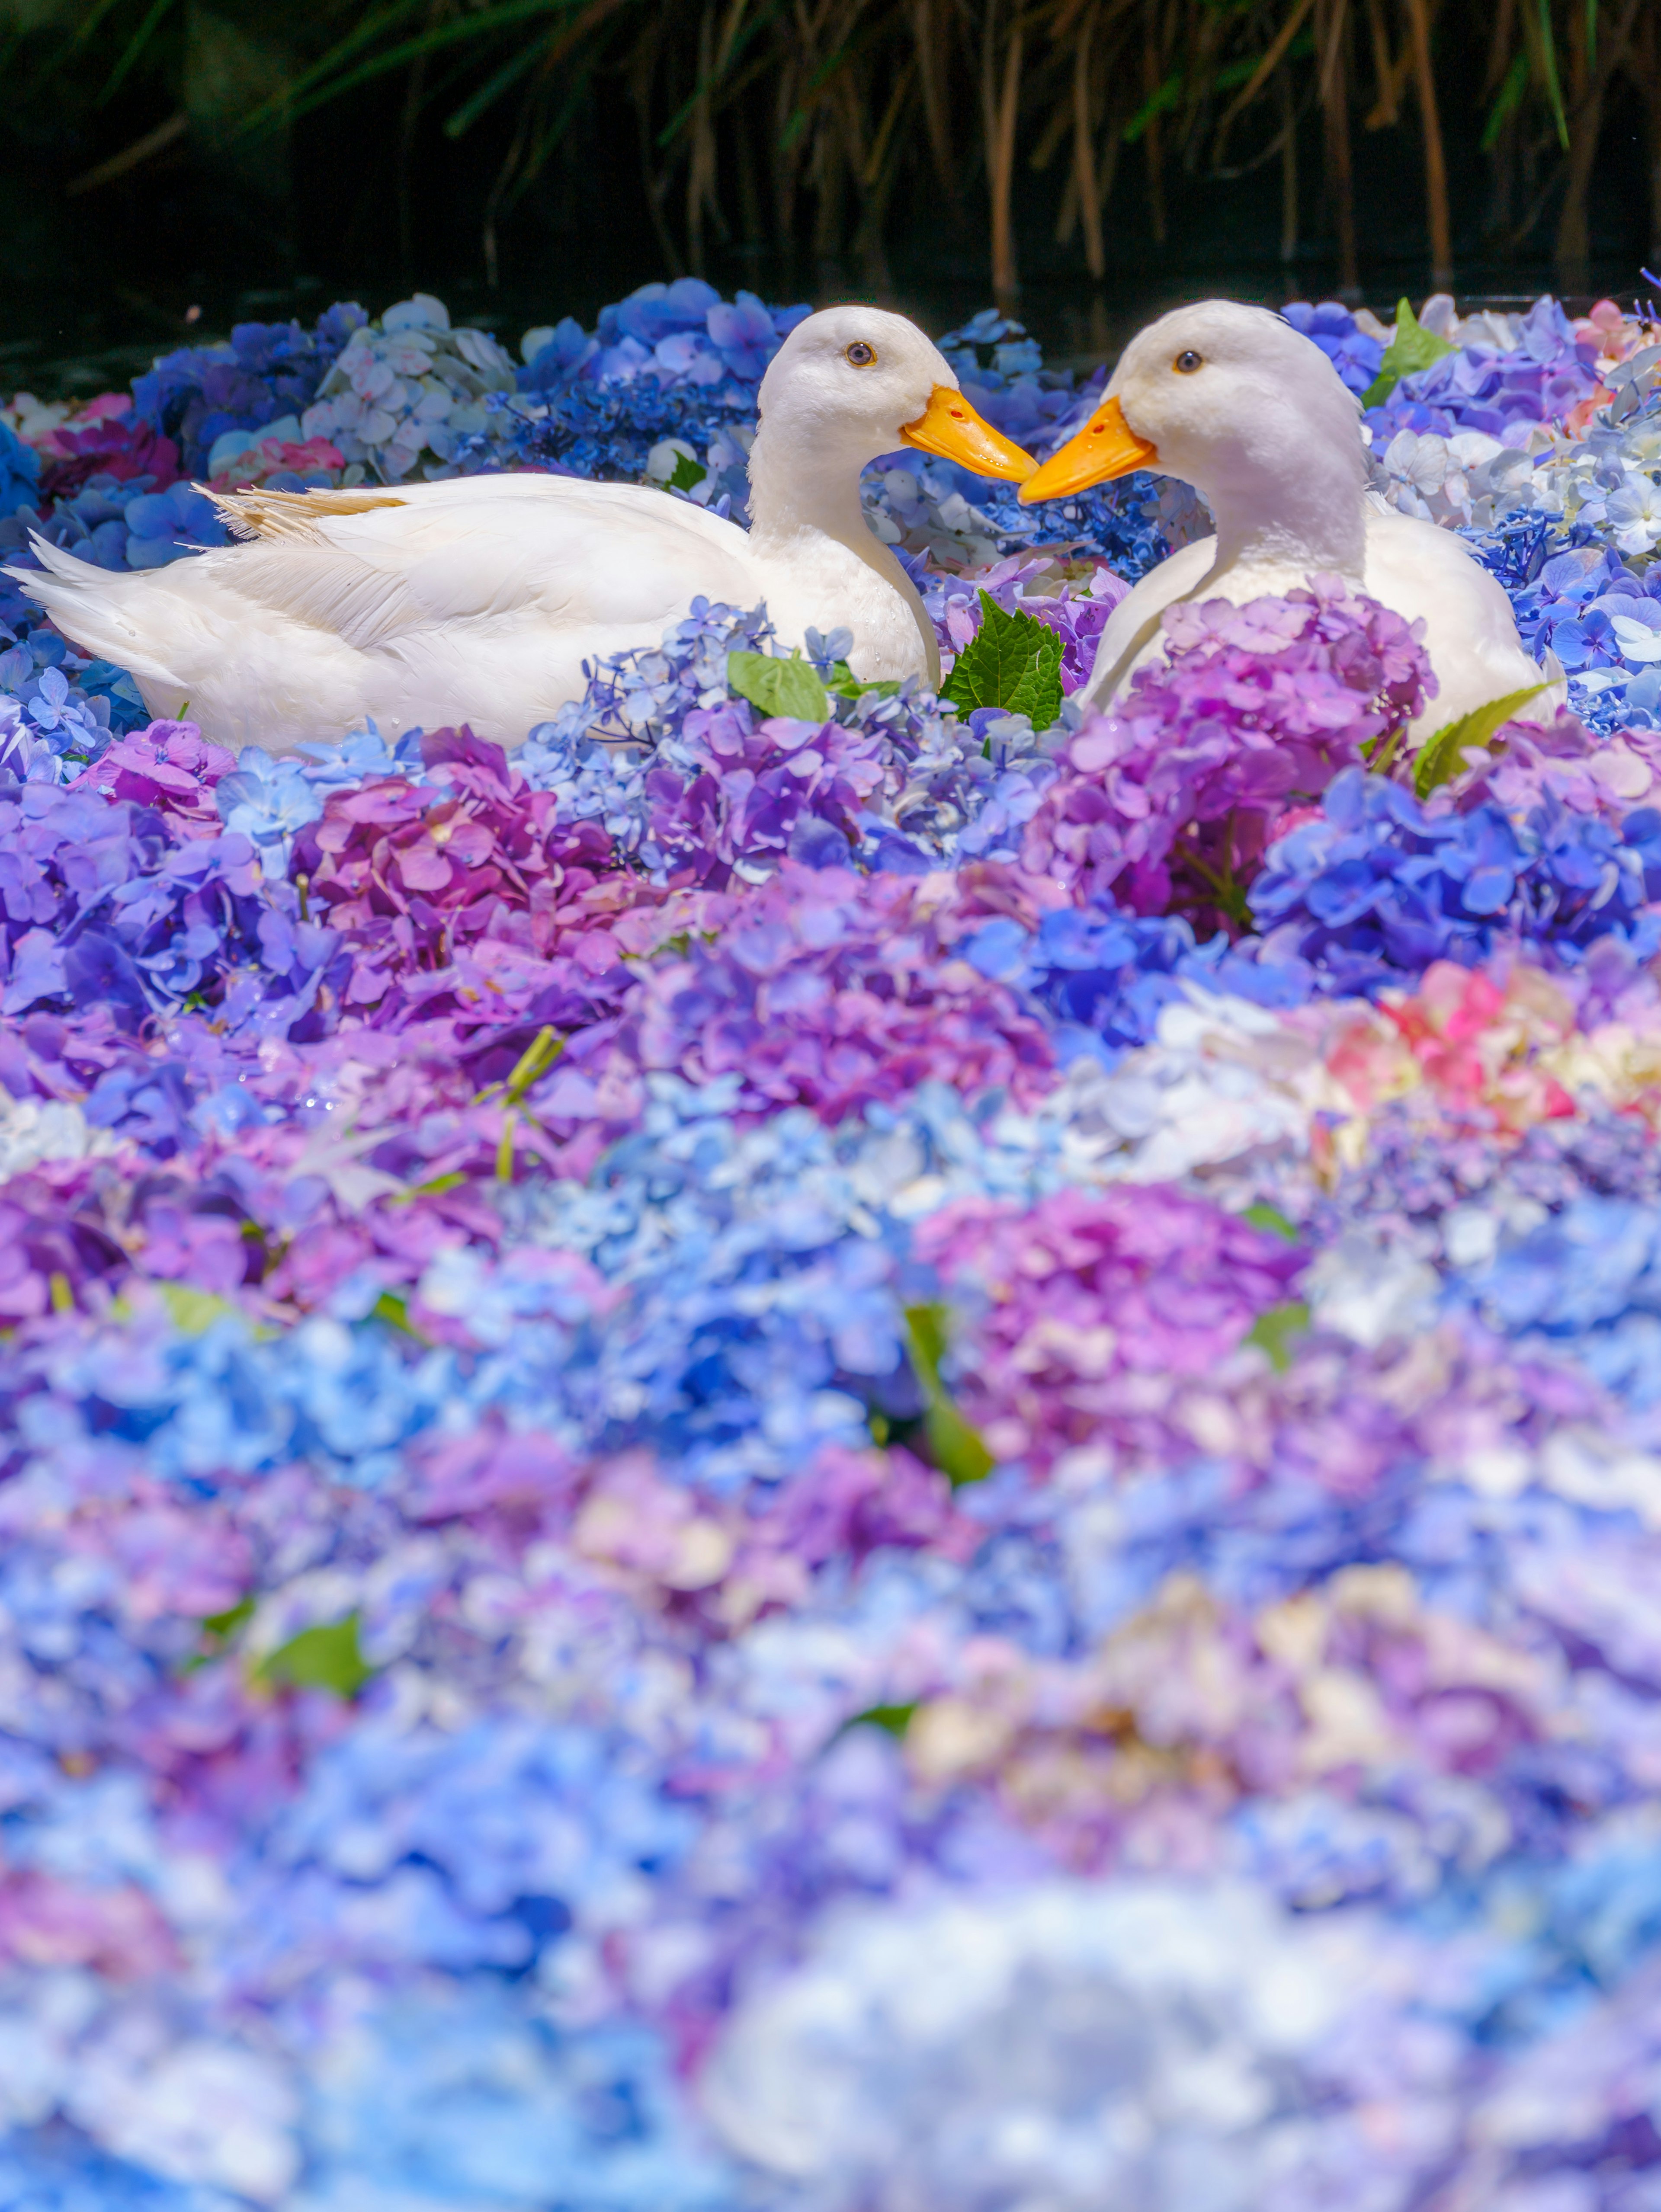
x: 1412, y: 348
x: 1013, y: 661
x: 1271, y: 1332
x: 778, y: 687
x: 1271, y: 1219
x: 689, y: 474
x: 1438, y: 759
x: 322, y: 1658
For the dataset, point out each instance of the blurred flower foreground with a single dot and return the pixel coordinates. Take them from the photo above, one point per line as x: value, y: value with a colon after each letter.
x: 898, y: 1457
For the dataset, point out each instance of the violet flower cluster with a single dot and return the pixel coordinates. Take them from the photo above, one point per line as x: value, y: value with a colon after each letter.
x: 1255, y: 712
x: 736, y: 1472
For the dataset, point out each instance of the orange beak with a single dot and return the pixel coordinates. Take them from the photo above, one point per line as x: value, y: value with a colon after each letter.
x: 949, y: 427
x: 1106, y: 447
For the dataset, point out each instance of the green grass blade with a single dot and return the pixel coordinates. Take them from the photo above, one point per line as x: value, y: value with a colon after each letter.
x: 316, y: 89
x: 1509, y: 92
x: 1553, y: 81
x: 683, y: 115
x: 1157, y: 103
x: 135, y: 48
x: 491, y: 90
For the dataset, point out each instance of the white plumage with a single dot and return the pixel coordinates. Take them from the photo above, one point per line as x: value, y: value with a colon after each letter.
x: 477, y: 600
x: 1257, y: 420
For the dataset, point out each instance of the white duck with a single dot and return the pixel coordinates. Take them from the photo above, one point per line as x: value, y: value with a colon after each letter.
x: 1234, y: 401
x: 478, y: 599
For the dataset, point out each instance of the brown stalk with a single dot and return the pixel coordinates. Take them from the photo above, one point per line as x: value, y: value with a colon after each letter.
x: 1573, y: 245
x: 1152, y: 80
x: 1391, y: 76
x: 130, y: 157
x: 1000, y: 103
x: 701, y: 166
x: 930, y: 49
x: 1648, y: 73
x: 1260, y: 77
x: 1288, y: 169
x: 1329, y: 37
x: 1436, y: 175
x: 1500, y: 46
x: 1084, y: 154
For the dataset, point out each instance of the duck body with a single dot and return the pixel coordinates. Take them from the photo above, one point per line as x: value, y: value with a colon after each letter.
x: 477, y: 600
x: 1237, y: 403
x: 480, y: 598
x: 1404, y: 567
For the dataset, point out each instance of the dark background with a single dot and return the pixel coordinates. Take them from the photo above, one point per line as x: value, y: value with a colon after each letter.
x: 368, y: 196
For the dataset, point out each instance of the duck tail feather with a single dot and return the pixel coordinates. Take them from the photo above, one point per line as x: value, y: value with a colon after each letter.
x: 85, y: 602
x: 291, y: 515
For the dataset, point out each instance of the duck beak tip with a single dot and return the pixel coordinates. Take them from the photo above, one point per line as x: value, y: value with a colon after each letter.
x: 949, y: 427
x: 1106, y: 448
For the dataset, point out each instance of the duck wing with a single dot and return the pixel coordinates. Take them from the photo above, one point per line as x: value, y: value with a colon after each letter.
x: 484, y: 553
x: 1132, y: 636
x: 475, y: 600
x: 1424, y: 572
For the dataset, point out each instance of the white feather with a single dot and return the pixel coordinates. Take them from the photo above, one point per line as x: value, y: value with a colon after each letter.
x: 1267, y: 432
x: 477, y: 600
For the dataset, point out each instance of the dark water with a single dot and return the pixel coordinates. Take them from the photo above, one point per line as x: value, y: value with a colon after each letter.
x: 61, y: 345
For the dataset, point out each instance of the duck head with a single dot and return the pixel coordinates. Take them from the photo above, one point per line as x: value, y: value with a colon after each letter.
x: 1230, y: 398
x: 851, y: 383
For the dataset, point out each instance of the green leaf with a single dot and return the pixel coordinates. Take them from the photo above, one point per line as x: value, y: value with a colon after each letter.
x: 1271, y: 1332
x: 1553, y: 81
x: 928, y: 1329
x: 438, y: 1186
x: 1271, y: 1219
x: 224, y: 1626
x: 217, y: 1630
x: 1157, y: 103
x: 842, y: 680
x: 193, y: 1312
x: 324, y: 1658
x: 538, y: 1057
x: 778, y: 687
x: 1509, y: 92
x: 1013, y: 661
x: 393, y: 1308
x: 895, y: 1718
x: 1439, y: 757
x: 1412, y: 348
x: 689, y: 474
x: 955, y: 1445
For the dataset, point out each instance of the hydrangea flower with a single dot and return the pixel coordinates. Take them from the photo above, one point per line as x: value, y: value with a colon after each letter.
x: 1258, y: 708
x: 668, y: 1401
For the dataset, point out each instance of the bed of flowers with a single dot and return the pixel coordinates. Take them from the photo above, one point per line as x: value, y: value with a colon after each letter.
x: 824, y: 1450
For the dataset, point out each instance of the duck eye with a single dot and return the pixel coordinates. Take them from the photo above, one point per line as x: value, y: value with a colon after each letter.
x: 859, y: 354
x: 1186, y: 363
